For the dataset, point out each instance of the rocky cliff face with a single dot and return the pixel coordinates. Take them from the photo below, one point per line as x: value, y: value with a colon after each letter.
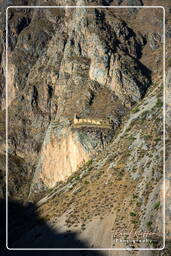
x: 95, y: 63
x: 67, y: 155
x: 91, y: 65
x: 94, y: 73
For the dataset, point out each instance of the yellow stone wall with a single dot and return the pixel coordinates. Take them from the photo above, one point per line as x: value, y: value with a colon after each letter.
x: 90, y: 121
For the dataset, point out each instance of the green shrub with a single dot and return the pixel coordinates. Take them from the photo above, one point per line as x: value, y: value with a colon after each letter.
x: 156, y: 205
x: 90, y: 168
x: 86, y: 182
x: 157, y: 139
x: 147, y: 137
x: 145, y: 113
x: 135, y: 110
x: 135, y: 196
x: 131, y: 138
x: 128, y: 129
x: 132, y: 214
x: 159, y: 103
x: 158, y: 120
x: 89, y: 162
x: 134, y: 221
x: 77, y: 177
x: 138, y: 203
x: 149, y: 223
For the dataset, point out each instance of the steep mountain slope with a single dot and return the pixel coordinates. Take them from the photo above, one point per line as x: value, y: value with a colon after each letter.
x: 98, y: 64
x: 100, y: 77
x: 119, y: 190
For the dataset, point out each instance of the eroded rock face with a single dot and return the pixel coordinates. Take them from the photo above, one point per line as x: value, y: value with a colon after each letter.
x: 60, y: 157
x: 124, y: 82
x: 65, y: 62
x: 89, y: 60
x: 85, y: 62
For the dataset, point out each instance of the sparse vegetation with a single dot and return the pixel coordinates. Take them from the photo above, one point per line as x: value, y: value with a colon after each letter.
x: 135, y: 110
x: 112, y: 184
x: 156, y: 205
x: 159, y: 103
x: 132, y: 214
x: 89, y: 162
x: 134, y: 221
x: 135, y: 196
x: 90, y: 168
x: 147, y: 137
x: 131, y: 137
x: 86, y: 182
x: 128, y: 129
x: 149, y: 223
x: 157, y: 139
x: 77, y: 177
x: 144, y: 114
x: 138, y: 203
x: 157, y: 120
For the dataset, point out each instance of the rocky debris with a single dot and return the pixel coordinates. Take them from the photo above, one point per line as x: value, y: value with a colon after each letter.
x: 154, y: 40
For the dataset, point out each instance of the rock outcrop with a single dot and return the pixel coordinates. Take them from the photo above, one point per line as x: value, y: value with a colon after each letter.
x: 59, y: 158
x: 93, y: 73
x: 97, y: 64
